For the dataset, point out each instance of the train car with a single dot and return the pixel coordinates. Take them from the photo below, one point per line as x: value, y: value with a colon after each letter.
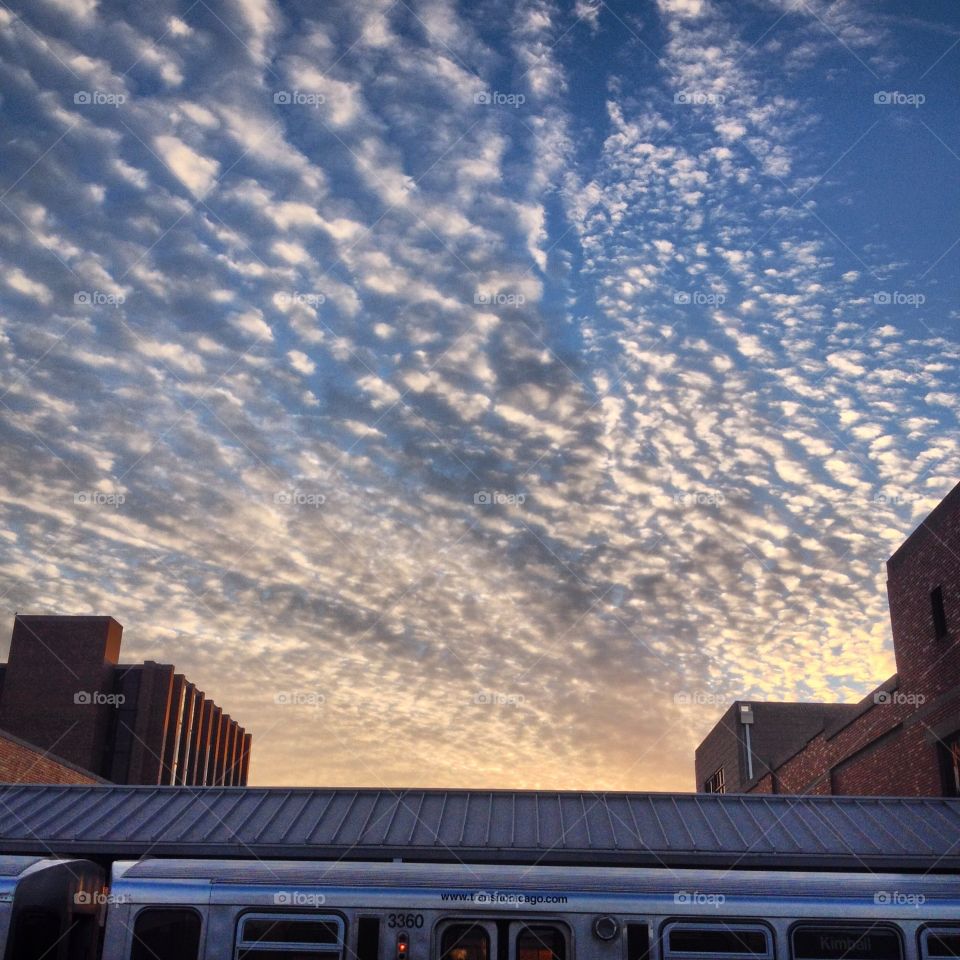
x: 187, y: 909
x: 50, y: 908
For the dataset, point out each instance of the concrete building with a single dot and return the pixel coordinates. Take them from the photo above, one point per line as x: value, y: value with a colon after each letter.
x: 903, y: 738
x: 64, y: 690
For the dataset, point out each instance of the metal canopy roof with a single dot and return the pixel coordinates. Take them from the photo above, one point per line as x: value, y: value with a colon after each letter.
x: 705, y: 830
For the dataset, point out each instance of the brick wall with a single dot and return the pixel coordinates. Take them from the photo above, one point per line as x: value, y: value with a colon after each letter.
x: 22, y: 763
x: 890, y: 746
x: 59, y: 672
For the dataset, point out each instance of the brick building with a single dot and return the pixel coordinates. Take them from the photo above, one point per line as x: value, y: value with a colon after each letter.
x: 902, y: 739
x: 21, y: 762
x: 64, y: 691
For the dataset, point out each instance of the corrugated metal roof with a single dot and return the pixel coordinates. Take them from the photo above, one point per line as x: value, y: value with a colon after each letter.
x: 498, y: 826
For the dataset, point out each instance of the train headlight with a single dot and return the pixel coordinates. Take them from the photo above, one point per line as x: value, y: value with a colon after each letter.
x: 403, y: 946
x: 605, y: 928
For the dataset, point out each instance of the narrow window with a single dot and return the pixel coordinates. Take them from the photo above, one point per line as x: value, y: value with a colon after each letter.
x: 368, y: 938
x: 715, y: 784
x: 162, y: 934
x: 638, y: 941
x: 540, y: 943
x: 465, y: 941
x: 950, y: 755
x: 939, y: 613
x: 846, y: 943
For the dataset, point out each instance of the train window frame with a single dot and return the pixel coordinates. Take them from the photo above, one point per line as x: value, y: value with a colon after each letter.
x: 839, y: 925
x: 751, y: 926
x: 245, y: 947
x: 516, y: 927
x: 924, y: 933
x: 445, y: 922
x: 167, y: 908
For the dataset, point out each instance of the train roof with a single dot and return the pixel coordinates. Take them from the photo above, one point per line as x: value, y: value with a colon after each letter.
x: 642, y: 881
x: 17, y: 866
x: 599, y: 829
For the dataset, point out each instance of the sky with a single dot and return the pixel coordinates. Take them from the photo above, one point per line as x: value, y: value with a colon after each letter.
x: 478, y: 394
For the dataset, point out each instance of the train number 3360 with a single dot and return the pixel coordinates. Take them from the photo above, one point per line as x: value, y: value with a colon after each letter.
x: 409, y: 921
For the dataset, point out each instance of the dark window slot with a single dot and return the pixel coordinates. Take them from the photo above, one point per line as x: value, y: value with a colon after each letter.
x: 939, y: 613
x: 368, y: 938
x: 638, y: 941
x: 718, y: 940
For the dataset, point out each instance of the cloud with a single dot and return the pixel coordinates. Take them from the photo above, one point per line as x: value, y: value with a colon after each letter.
x: 431, y: 388
x: 195, y: 171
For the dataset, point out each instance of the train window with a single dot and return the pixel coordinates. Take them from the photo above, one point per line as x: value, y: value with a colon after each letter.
x: 540, y: 943
x: 161, y: 933
x: 940, y: 943
x: 866, y: 942
x: 638, y: 941
x: 712, y: 939
x: 465, y: 941
x: 36, y: 934
x: 296, y: 936
x: 368, y: 938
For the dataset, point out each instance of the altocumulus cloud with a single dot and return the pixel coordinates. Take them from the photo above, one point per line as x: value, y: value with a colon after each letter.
x: 456, y: 393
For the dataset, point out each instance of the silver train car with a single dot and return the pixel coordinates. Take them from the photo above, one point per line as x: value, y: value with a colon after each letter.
x: 184, y: 909
x: 50, y: 908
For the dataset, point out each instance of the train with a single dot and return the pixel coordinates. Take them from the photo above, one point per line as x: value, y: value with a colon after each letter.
x: 171, y: 908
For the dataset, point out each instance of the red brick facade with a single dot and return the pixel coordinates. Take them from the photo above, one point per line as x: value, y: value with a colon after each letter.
x: 22, y: 763
x: 896, y: 742
x: 64, y: 691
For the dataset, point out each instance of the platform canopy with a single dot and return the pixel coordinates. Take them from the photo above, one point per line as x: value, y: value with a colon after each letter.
x: 617, y: 829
